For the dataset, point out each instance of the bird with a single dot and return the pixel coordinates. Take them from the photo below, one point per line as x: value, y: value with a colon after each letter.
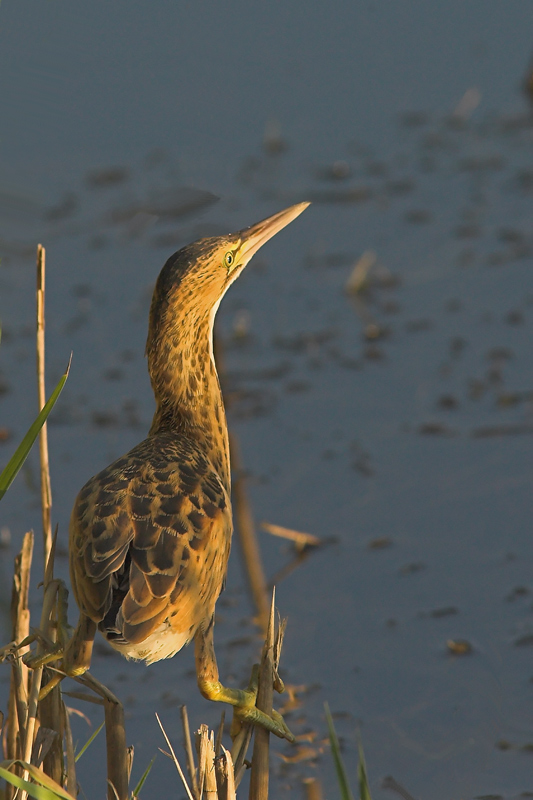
x: 150, y: 535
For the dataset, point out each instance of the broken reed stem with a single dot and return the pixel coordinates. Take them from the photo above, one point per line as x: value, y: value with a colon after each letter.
x: 248, y: 538
x: 205, y: 745
x: 117, y: 751
x: 201, y: 746
x: 46, y: 490
x: 259, y: 777
x: 225, y: 776
x: 118, y: 755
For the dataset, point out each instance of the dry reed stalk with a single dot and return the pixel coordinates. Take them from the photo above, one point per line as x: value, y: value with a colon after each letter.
x: 51, y: 718
x: 259, y: 777
x: 201, y: 746
x: 20, y: 619
x: 248, y: 538
x: 49, y: 602
x: 205, y: 748
x: 299, y: 538
x: 118, y: 757
x: 46, y: 491
x: 191, y: 768
x: 20, y: 695
x: 225, y: 776
x: 51, y: 707
x: 20, y: 622
x: 29, y: 733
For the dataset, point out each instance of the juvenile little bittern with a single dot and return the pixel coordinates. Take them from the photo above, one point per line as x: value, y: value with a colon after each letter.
x: 150, y: 535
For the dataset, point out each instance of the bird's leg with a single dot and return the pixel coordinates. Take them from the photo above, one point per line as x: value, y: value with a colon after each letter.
x: 242, y: 700
x: 79, y: 650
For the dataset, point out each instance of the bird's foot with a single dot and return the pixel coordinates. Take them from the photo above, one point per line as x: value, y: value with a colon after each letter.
x: 244, y: 706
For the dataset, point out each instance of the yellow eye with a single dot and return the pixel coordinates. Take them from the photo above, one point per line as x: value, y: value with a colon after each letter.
x: 229, y: 259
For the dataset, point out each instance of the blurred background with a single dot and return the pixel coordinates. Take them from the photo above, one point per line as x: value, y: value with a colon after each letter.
x: 377, y: 351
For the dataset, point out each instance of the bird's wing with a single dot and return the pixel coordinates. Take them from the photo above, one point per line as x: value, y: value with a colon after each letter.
x: 149, y: 540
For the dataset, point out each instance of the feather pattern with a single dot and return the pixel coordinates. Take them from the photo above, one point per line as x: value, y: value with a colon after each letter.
x: 149, y: 542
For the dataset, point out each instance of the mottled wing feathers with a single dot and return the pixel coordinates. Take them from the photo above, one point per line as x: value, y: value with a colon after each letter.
x: 149, y: 540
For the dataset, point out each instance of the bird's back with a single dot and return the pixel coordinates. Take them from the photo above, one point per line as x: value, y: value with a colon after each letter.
x: 149, y: 544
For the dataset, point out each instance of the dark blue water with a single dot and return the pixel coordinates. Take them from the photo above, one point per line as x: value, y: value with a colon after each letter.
x: 419, y: 439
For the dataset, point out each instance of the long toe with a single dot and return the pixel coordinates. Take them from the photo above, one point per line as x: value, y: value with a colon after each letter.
x: 248, y: 712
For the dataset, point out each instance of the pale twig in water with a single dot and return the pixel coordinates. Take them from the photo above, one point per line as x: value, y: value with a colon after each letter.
x: 300, y: 539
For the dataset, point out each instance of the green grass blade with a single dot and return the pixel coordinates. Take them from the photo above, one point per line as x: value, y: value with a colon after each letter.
x: 39, y: 776
x: 89, y: 742
x: 344, y: 786
x: 364, y: 788
x: 21, y: 453
x: 143, y: 778
x: 38, y: 792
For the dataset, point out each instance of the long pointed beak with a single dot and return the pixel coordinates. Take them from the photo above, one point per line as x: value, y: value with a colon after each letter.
x: 255, y: 236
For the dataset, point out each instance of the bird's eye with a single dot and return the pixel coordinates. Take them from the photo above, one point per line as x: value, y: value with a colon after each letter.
x: 228, y: 259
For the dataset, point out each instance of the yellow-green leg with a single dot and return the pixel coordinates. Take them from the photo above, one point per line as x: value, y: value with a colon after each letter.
x: 242, y: 700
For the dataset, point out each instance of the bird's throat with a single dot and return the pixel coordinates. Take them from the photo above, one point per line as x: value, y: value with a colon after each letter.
x: 187, y: 390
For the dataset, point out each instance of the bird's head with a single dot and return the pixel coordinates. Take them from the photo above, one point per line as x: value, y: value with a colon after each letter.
x: 194, y: 280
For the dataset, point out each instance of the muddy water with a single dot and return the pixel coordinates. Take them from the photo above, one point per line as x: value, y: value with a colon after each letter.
x: 397, y: 425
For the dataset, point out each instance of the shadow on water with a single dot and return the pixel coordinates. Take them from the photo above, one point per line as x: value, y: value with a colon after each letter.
x: 387, y: 410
